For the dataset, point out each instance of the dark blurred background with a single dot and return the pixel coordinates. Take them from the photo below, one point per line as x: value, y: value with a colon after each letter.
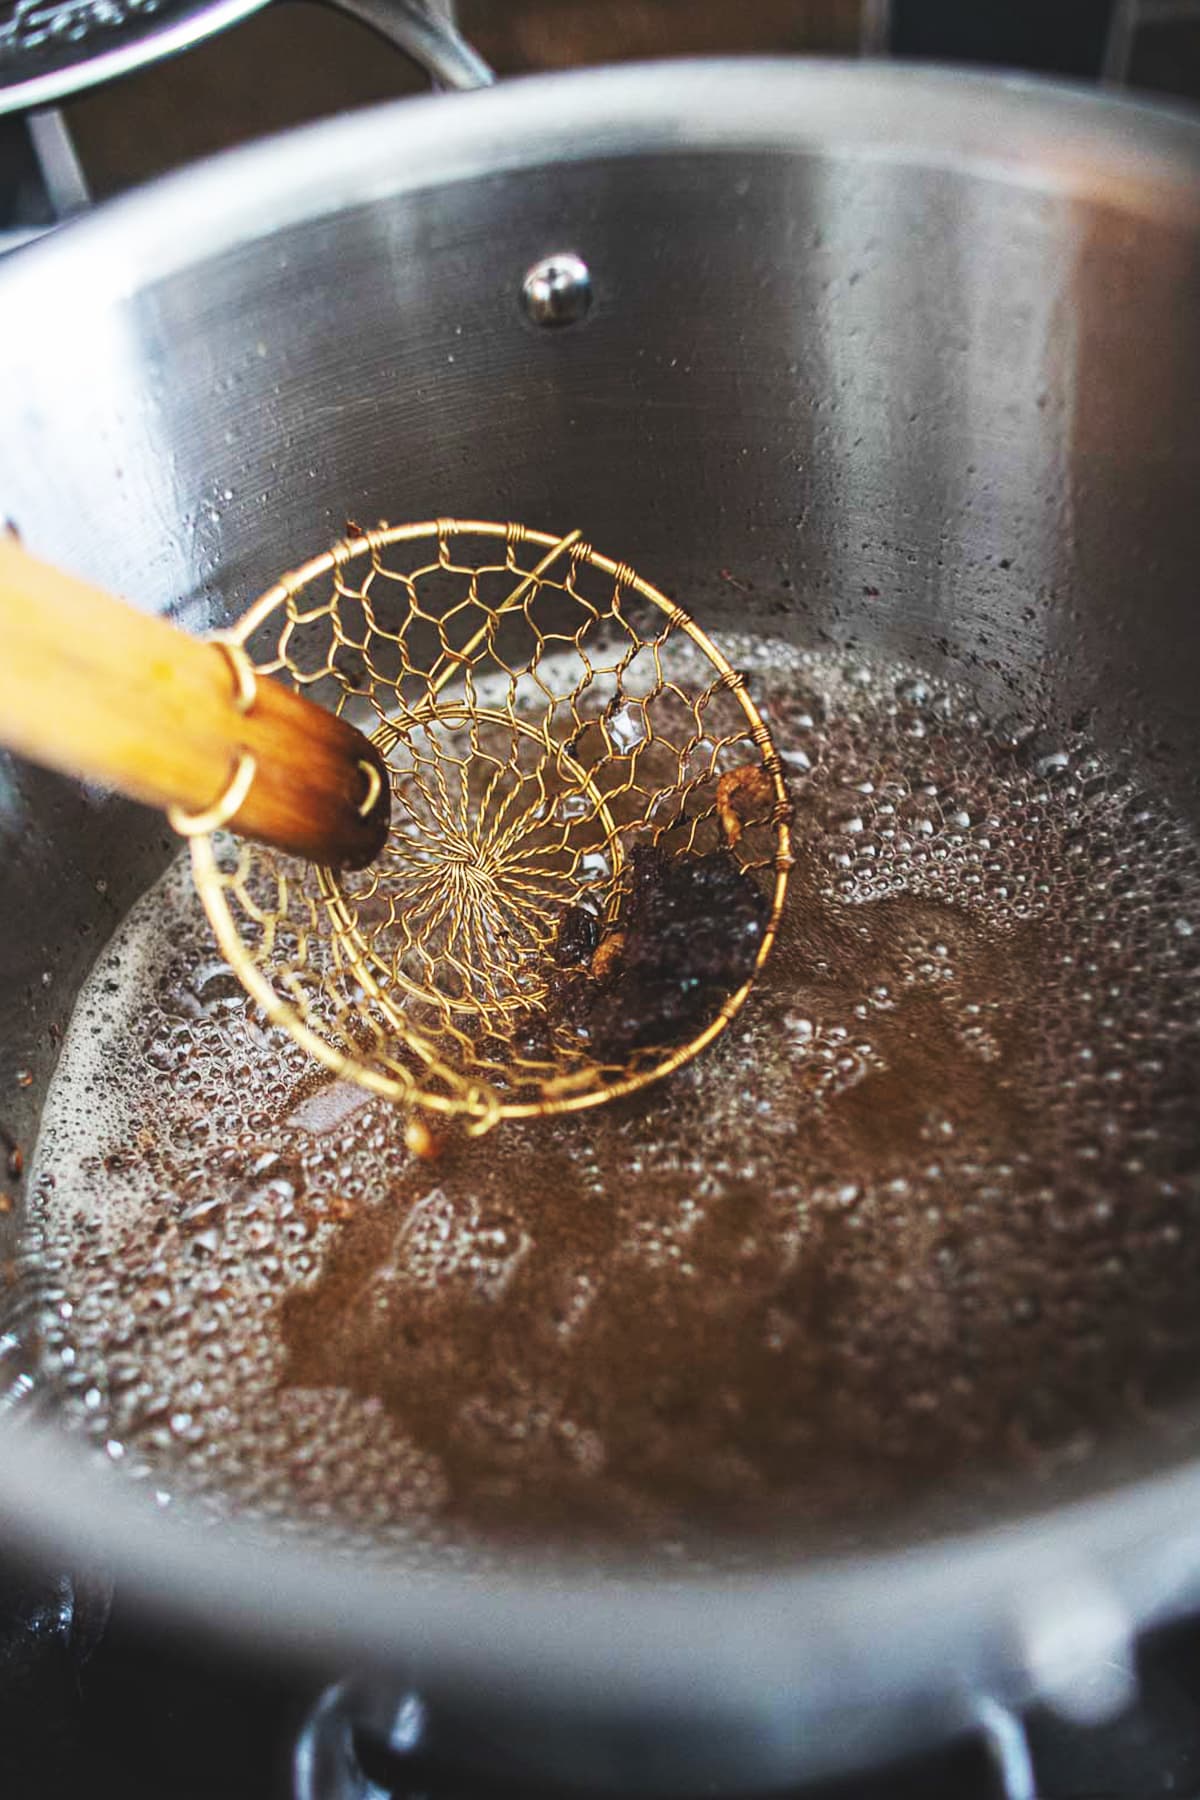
x: 297, y: 61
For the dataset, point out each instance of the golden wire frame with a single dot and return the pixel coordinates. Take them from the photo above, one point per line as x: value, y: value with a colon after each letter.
x: 574, y: 730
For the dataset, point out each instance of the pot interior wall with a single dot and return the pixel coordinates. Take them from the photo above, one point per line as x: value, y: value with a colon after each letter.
x: 927, y: 410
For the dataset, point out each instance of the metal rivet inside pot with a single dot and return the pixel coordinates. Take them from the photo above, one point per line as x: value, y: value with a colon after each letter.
x: 557, y: 290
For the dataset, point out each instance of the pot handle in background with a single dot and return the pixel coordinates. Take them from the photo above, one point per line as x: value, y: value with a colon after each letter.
x: 425, y: 30
x: 62, y: 178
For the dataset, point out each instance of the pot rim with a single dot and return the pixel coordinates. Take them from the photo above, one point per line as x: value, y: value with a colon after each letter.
x: 985, y: 1605
x: 1021, y: 130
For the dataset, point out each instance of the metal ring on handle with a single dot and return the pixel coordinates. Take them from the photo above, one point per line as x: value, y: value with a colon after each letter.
x: 230, y: 801
x: 224, y: 808
x: 245, y: 677
x: 374, y: 787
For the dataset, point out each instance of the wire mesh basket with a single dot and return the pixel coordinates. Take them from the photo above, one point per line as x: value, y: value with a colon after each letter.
x: 548, y: 726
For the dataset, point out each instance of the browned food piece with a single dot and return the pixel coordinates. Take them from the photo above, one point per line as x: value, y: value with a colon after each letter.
x: 688, y: 934
x: 421, y: 1141
x: 743, y: 795
x: 16, y: 1156
x: 608, y: 954
x: 578, y: 931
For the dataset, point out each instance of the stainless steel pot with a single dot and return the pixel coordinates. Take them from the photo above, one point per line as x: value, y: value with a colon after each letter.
x: 916, y: 355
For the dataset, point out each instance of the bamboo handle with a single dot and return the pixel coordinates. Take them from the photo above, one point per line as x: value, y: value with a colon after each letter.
x: 96, y: 689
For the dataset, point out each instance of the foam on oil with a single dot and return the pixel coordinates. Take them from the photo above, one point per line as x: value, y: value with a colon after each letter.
x: 925, y: 1216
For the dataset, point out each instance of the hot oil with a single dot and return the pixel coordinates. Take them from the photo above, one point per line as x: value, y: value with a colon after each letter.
x: 924, y: 1219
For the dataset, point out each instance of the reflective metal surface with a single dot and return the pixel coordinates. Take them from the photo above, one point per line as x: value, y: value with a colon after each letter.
x: 914, y: 357
x: 52, y: 48
x: 49, y: 50
x: 557, y: 290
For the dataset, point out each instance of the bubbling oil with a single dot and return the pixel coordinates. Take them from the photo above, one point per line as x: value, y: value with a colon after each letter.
x: 922, y: 1220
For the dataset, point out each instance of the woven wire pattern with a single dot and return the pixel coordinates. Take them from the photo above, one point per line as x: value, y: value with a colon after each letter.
x: 536, y: 728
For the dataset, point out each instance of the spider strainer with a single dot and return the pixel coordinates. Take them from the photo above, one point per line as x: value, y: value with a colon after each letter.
x: 539, y: 724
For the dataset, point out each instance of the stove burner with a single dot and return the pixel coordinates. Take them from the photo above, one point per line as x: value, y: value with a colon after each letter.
x: 359, y: 1744
x: 49, y: 1624
x: 141, y: 1715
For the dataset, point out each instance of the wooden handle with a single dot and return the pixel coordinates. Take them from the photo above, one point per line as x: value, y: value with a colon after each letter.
x: 96, y: 689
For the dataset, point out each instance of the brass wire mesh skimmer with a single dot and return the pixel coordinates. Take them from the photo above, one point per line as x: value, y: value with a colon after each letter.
x: 538, y: 724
